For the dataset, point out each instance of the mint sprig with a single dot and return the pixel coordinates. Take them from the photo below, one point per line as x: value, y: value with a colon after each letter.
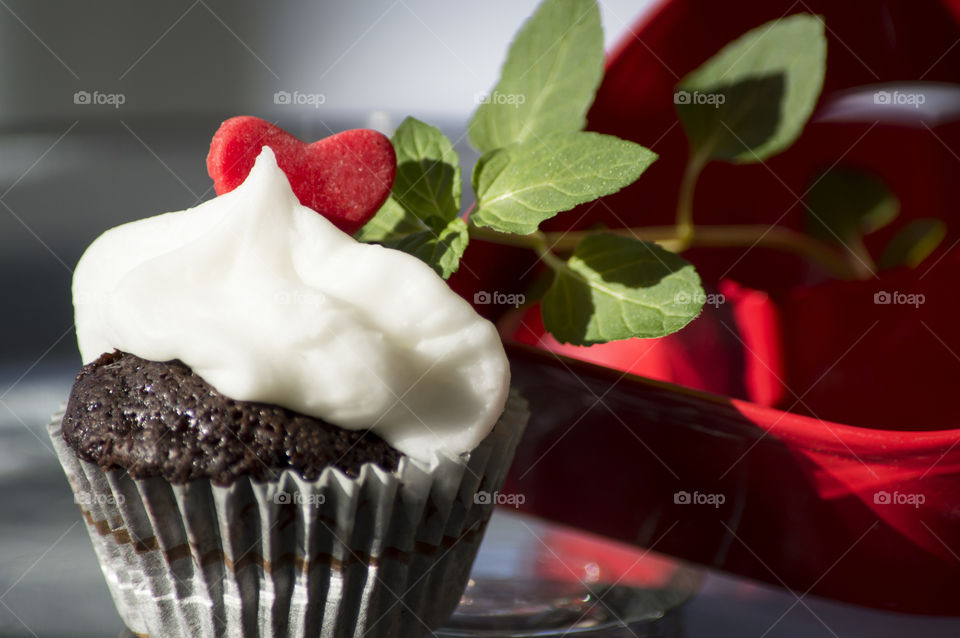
x: 616, y: 287
x: 420, y: 216
x: 427, y: 184
x: 548, y: 81
x: 844, y: 204
x: 753, y: 98
x: 391, y: 223
x: 745, y: 104
x: 441, y: 248
x: 525, y: 183
x: 913, y: 243
x: 536, y: 163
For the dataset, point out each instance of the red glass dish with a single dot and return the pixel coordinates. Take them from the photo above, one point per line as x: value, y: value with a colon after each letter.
x: 832, y: 432
x: 809, y: 505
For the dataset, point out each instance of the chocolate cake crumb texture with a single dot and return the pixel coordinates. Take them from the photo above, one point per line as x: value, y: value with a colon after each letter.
x: 161, y: 419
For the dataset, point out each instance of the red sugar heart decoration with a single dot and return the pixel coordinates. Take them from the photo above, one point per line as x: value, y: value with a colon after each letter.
x: 345, y: 177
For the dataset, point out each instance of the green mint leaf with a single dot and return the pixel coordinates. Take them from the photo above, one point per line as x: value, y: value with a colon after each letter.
x: 427, y: 184
x: 752, y: 99
x: 913, y: 243
x: 391, y: 222
x: 525, y: 183
x: 548, y: 80
x: 441, y: 250
x: 420, y: 216
x: 614, y: 287
x: 845, y: 204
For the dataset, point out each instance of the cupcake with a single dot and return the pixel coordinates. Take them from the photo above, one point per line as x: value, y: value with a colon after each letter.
x: 279, y: 430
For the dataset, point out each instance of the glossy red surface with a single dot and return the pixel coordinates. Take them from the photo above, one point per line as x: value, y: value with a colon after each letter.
x: 609, y: 453
x: 836, y: 448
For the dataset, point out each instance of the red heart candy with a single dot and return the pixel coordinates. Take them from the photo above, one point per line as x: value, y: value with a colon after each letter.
x: 345, y: 177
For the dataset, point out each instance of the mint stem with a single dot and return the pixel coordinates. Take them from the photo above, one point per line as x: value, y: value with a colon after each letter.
x: 668, y: 237
x: 539, y: 242
x: 544, y: 250
x: 688, y: 184
x: 860, y: 259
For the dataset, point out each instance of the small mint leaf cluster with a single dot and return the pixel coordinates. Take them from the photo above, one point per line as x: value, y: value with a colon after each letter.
x: 421, y: 215
x: 750, y: 102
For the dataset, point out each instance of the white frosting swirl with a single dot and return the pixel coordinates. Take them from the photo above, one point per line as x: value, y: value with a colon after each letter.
x: 270, y: 302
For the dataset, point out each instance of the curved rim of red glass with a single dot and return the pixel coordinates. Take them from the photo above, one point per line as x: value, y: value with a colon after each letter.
x: 803, y: 431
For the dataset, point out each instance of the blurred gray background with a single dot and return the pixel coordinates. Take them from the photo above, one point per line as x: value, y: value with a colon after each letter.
x: 421, y: 56
x: 107, y: 108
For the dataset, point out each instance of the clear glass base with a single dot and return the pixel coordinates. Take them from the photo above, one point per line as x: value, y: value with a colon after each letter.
x: 515, y: 608
x: 534, y: 579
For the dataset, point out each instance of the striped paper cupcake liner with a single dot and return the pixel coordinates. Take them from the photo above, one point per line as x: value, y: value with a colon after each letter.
x: 382, y: 554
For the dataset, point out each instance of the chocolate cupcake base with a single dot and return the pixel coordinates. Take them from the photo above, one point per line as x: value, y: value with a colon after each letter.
x: 380, y: 554
x: 160, y: 418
